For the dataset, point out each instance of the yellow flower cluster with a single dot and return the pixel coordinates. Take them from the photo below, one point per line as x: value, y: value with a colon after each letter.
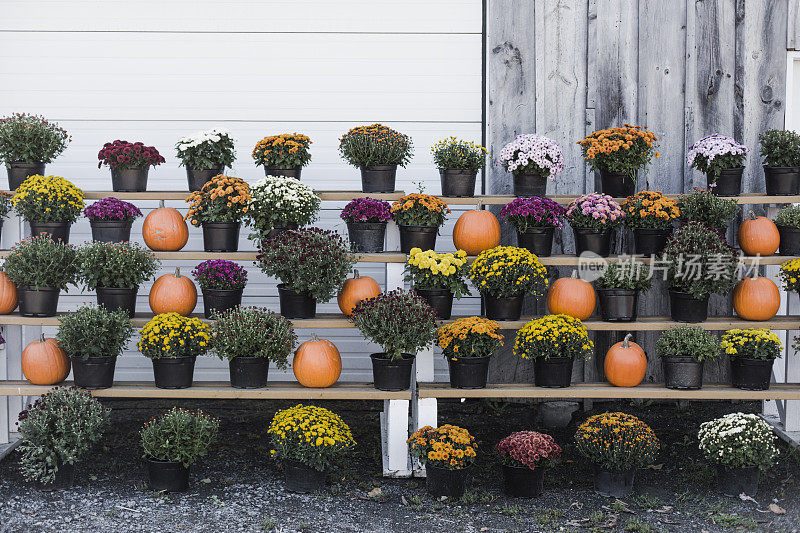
x: 48, y: 199
x: 508, y: 271
x: 790, y: 274
x: 553, y: 336
x: 472, y: 336
x: 173, y: 335
x: 743, y: 341
x: 291, y: 148
x: 617, y: 441
x: 426, y: 201
x: 447, y: 446
x: 222, y: 199
x: 311, y: 435
x: 446, y: 264
x: 612, y: 139
x: 648, y: 207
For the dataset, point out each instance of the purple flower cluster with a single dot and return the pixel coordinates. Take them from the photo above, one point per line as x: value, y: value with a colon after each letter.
x: 535, y: 212
x: 123, y: 154
x: 111, y: 208
x: 367, y: 210
x: 713, y: 146
x: 595, y: 210
x: 532, y: 153
x: 220, y: 274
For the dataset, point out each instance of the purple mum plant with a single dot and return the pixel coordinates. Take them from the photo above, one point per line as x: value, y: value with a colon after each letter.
x: 532, y: 153
x: 715, y: 153
x: 533, y: 212
x: 596, y: 211
x: 111, y: 208
x: 367, y: 210
x: 220, y: 274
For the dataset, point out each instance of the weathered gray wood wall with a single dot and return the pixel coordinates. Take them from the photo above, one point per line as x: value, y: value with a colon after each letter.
x: 682, y: 69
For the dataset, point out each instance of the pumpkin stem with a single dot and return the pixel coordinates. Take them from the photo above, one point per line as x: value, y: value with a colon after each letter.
x: 177, y: 272
x: 626, y: 342
x: 574, y: 274
x: 752, y: 215
x: 161, y: 204
x: 41, y: 337
x: 480, y: 205
x: 314, y: 337
x: 356, y: 275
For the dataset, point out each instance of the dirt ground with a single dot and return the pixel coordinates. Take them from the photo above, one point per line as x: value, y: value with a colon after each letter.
x: 237, y: 488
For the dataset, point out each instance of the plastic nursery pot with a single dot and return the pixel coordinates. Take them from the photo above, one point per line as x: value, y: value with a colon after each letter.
x: 296, y: 304
x: 735, y: 481
x: 93, y: 372
x: 249, y: 372
x: 782, y: 181
x: 197, y: 177
x: 618, y: 305
x: 457, y: 182
x: 503, y: 307
x: 790, y: 240
x: 422, y: 237
x: 729, y: 182
x: 58, y: 231
x: 220, y: 300
x: 685, y: 308
x: 538, y: 241
x: 616, y: 184
x: 468, y: 372
x: 522, y: 482
x: 553, y: 373
x: 301, y: 478
x: 613, y: 483
x: 167, y: 476
x: 111, y: 230
x: 277, y: 230
x: 528, y: 185
x: 388, y: 375
x: 682, y: 373
x: 440, y: 300
x: 378, y: 178
x: 113, y: 298
x: 129, y: 179
x: 650, y: 241
x: 444, y: 482
x: 751, y: 374
x: 38, y: 303
x: 367, y: 236
x: 173, y: 372
x: 293, y: 172
x: 592, y: 240
x: 65, y: 478
x: 19, y: 171
x: 221, y: 236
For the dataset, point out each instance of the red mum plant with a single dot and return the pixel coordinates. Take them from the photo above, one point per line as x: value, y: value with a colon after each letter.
x: 123, y: 155
x: 529, y: 449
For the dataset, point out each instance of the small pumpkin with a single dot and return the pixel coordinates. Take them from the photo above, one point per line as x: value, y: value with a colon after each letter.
x: 756, y: 298
x: 625, y: 364
x: 759, y: 236
x: 44, y: 362
x: 356, y: 289
x: 572, y: 296
x: 476, y: 230
x: 8, y: 295
x: 164, y: 229
x: 173, y: 293
x: 317, y: 363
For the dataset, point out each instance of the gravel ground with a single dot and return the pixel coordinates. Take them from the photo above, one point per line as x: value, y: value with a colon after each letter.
x: 237, y: 489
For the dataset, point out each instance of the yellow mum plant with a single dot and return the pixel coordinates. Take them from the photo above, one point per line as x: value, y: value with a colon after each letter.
x: 472, y: 336
x: 419, y: 209
x: 753, y: 343
x: 617, y: 441
x: 447, y: 446
x: 790, y: 274
x: 171, y: 335
x: 553, y: 336
x: 650, y: 209
x: 48, y: 199
x: 288, y: 150
x: 222, y: 199
x: 508, y: 271
x: 431, y: 270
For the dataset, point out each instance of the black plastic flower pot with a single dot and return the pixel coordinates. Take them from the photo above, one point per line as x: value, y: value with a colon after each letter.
x: 503, y: 307
x: 790, y: 240
x: 65, y: 478
x: 686, y: 308
x: 111, y: 230
x: 552, y: 373
x: 592, y: 241
x: 367, y: 236
x: 249, y: 372
x: 538, y: 241
x: 527, y: 185
x: 735, y: 481
x: 782, y: 181
x: 728, y: 183
x: 618, y: 305
x: 277, y: 230
x: 650, y: 241
x: 522, y: 482
x: 616, y: 184
x: 614, y: 483
x: 422, y: 237
x: 58, y: 231
x: 296, y: 304
x: 441, y: 300
x: 129, y: 179
x: 38, y: 303
x: 443, y: 482
x: 682, y: 373
x: 174, y: 372
x: 751, y: 374
x: 94, y: 372
x: 167, y: 476
x: 221, y: 236
x: 293, y: 172
x: 197, y: 177
x: 378, y: 178
x: 389, y: 375
x: 457, y: 182
x: 301, y: 478
x: 468, y: 372
x: 19, y: 171
x: 113, y: 298
x: 220, y: 300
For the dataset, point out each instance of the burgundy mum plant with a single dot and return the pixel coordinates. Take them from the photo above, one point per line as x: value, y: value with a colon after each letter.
x: 367, y: 210
x: 534, y: 212
x: 220, y: 274
x: 529, y: 449
x: 124, y: 155
x: 111, y: 208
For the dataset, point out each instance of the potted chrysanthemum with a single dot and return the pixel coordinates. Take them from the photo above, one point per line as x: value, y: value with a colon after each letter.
x: 458, y: 162
x: 419, y: 217
x: 50, y: 204
x: 283, y: 155
x: 535, y: 220
x: 788, y: 222
x: 594, y: 217
x: 468, y: 343
x: 722, y: 159
x: 553, y: 342
x: 619, y: 287
x: 524, y: 456
x: 683, y: 351
x: 447, y: 453
x: 219, y: 207
x: 111, y: 219
x: 222, y: 283
x: 173, y: 343
x: 781, y: 152
x: 703, y: 206
x: 366, y: 220
x: 752, y: 353
x: 27, y: 144
x: 278, y: 204
x: 205, y: 154
x: 618, y: 154
x: 651, y: 216
x: 129, y: 163
x: 532, y: 159
x: 438, y: 278
x: 377, y: 150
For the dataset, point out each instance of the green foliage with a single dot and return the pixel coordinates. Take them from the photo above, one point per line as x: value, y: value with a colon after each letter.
x: 688, y: 341
x: 789, y: 216
x: 252, y: 332
x: 42, y: 262
x: 94, y: 332
x: 780, y: 148
x: 30, y: 139
x: 116, y: 264
x: 628, y: 275
x: 707, y: 208
x: 179, y: 435
x: 453, y: 153
x: 699, y: 261
x: 366, y: 146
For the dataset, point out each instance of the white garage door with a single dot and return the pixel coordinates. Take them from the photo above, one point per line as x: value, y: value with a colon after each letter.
x: 154, y: 70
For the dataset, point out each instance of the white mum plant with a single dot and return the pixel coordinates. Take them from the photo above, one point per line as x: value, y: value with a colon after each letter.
x: 738, y: 440
x: 281, y: 201
x: 207, y: 149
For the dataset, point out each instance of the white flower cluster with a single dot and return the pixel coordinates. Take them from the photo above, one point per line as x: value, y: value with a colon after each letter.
x: 714, y: 145
x: 532, y: 149
x: 738, y: 440
x: 202, y: 137
x: 282, y: 199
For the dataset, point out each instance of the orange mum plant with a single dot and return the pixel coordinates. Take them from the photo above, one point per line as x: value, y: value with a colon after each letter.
x: 288, y: 150
x: 472, y: 336
x: 650, y: 209
x: 418, y: 209
x: 623, y: 150
x: 222, y: 199
x: 447, y: 446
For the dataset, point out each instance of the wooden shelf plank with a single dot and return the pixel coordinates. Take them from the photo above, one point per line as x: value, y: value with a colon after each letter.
x: 750, y: 199
x: 220, y: 390
x: 777, y: 391
x: 333, y: 196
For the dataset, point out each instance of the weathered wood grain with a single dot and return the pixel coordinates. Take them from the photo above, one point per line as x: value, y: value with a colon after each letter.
x: 793, y: 25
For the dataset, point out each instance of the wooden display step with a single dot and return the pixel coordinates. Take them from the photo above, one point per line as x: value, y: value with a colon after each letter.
x: 777, y: 391
x: 327, y: 196
x: 219, y: 390
x: 749, y: 199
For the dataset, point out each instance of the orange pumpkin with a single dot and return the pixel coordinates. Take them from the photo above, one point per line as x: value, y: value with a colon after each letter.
x: 8, y: 295
x: 625, y: 363
x: 756, y: 298
x: 173, y: 293
x: 572, y: 296
x: 356, y: 289
x: 759, y: 236
x: 164, y: 229
x: 317, y: 363
x: 44, y: 363
x: 476, y: 230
